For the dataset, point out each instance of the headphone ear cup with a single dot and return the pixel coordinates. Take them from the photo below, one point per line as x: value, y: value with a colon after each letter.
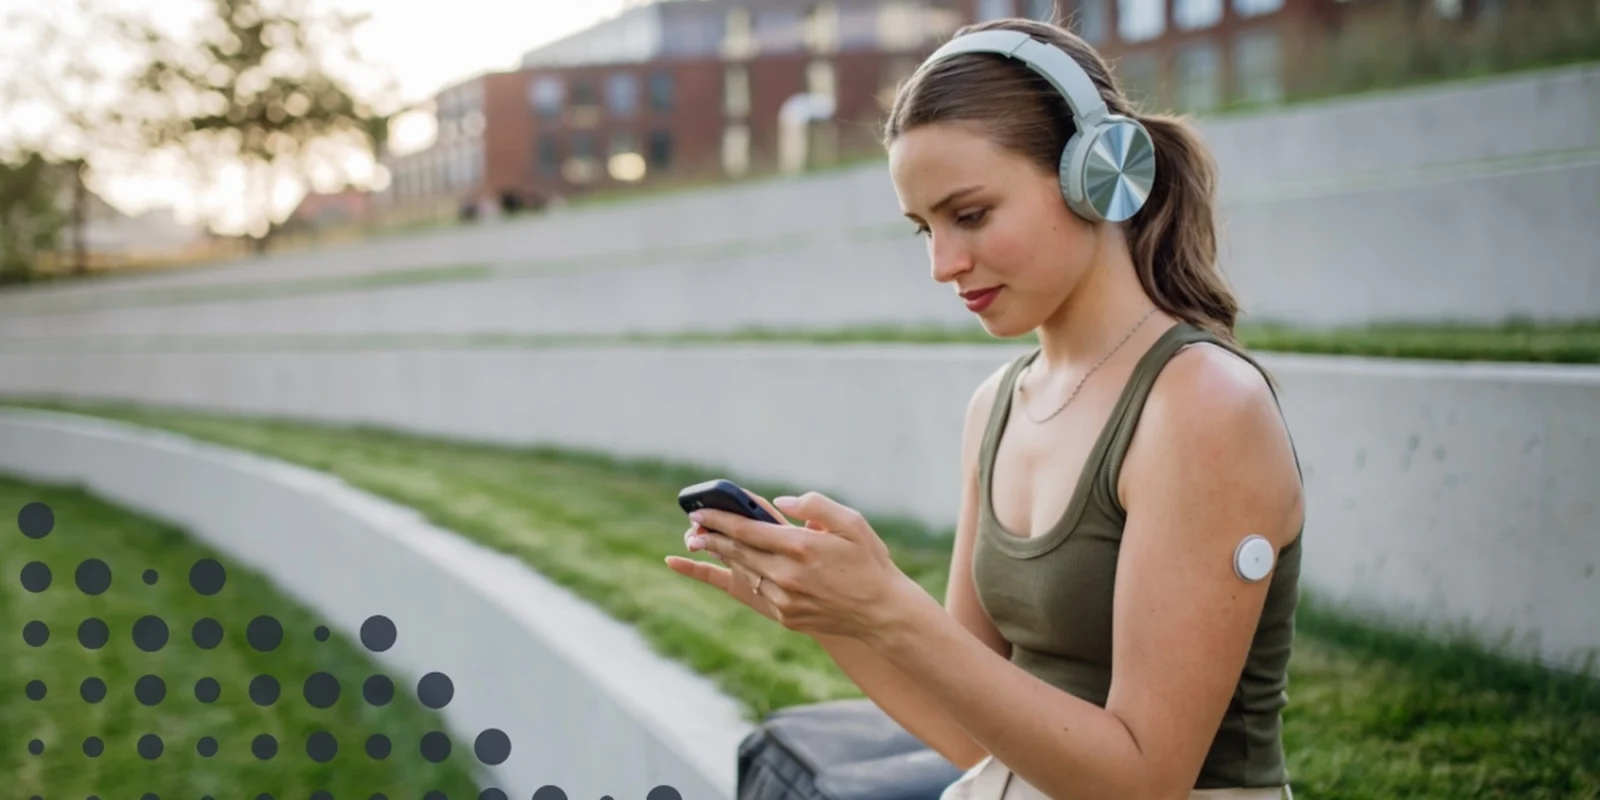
x: 1114, y: 169
x: 1071, y: 170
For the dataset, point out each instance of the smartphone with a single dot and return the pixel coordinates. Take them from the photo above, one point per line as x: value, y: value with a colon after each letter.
x: 722, y: 495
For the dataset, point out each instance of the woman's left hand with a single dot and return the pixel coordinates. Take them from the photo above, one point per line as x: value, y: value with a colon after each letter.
x: 834, y: 576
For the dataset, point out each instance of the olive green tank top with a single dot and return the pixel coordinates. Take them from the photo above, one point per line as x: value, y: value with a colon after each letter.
x: 1051, y: 594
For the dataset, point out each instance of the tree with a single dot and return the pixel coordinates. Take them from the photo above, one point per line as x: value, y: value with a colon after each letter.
x: 31, y: 217
x: 257, y: 87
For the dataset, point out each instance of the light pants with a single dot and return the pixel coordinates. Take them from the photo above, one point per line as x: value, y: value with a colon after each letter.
x: 991, y: 780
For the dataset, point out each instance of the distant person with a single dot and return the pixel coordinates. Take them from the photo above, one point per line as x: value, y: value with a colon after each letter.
x: 1120, y: 609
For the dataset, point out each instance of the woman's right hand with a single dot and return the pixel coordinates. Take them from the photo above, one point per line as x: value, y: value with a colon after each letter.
x: 734, y: 580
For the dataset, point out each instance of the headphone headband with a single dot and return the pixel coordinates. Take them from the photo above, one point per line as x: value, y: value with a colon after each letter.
x: 1049, y: 61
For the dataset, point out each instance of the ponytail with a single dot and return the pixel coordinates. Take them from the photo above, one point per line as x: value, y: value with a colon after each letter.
x: 1173, y: 239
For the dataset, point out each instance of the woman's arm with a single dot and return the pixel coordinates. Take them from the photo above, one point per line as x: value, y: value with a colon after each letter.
x: 1209, y: 465
x: 903, y: 700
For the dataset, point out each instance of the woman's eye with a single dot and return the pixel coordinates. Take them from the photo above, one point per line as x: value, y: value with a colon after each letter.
x: 972, y: 218
x: 922, y: 230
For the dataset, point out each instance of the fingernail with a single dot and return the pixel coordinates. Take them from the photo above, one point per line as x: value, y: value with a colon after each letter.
x: 786, y: 502
x: 697, y: 543
x: 697, y: 516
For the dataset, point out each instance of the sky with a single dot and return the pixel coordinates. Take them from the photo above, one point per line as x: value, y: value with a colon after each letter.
x: 425, y: 45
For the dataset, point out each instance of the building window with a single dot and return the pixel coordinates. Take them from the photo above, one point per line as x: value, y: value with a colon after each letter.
x: 548, y: 94
x: 583, y: 93
x: 1256, y: 68
x: 822, y: 28
x: 624, y: 162
x: 736, y: 91
x: 1192, y: 14
x: 1140, y: 76
x: 1255, y: 8
x: 820, y: 79
x: 583, y: 145
x: 1140, y: 20
x: 582, y: 166
x: 901, y: 25
x: 622, y: 94
x: 858, y: 27
x: 736, y: 149
x: 779, y: 30
x: 1040, y: 10
x: 659, y: 154
x: 993, y: 9
x: 1199, y: 71
x: 661, y: 91
x: 1091, y: 20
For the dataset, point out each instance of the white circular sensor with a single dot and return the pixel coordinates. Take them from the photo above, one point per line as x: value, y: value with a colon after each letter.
x: 1252, y: 561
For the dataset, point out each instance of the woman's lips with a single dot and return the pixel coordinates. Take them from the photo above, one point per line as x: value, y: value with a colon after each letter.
x: 980, y: 299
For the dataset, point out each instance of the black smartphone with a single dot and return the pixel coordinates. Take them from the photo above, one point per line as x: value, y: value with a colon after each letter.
x: 722, y: 495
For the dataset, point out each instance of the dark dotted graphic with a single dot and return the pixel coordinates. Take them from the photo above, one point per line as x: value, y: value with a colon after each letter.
x: 206, y: 747
x: 322, y: 747
x: 492, y: 747
x: 150, y: 634
x: 378, y: 796
x: 264, y: 747
x: 36, y: 747
x: 321, y: 795
x: 378, y: 690
x: 150, y: 577
x: 435, y: 795
x: 435, y: 690
x: 207, y: 576
x: 549, y: 793
x: 93, y: 690
x: 93, y: 577
x: 435, y: 746
x: 93, y: 747
x: 663, y: 793
x: 36, y: 633
x: 378, y: 634
x: 322, y: 690
x: 321, y: 633
x: 263, y: 796
x: 150, y: 690
x: 264, y: 633
x: 150, y: 796
x: 207, y: 633
x: 207, y: 690
x: 35, y: 690
x: 35, y: 576
x: 264, y: 690
x: 492, y: 794
x: 36, y: 520
x: 93, y: 633
x: 378, y: 747
x: 150, y: 747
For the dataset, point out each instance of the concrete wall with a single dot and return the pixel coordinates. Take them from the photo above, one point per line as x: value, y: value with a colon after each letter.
x: 1445, y: 493
x: 1472, y: 201
x: 587, y: 705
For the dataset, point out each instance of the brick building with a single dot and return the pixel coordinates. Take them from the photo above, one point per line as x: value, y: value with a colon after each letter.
x: 692, y: 89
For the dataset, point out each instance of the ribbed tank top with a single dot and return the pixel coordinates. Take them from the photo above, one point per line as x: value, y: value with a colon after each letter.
x: 1051, y: 594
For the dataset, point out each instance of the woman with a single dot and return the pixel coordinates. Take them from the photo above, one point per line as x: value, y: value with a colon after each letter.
x: 1120, y: 609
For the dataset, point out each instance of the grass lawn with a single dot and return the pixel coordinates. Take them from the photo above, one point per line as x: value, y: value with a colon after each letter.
x: 63, y: 719
x: 1371, y: 714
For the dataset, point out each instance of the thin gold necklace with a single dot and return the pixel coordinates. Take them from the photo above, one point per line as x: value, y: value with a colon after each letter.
x: 1022, y: 393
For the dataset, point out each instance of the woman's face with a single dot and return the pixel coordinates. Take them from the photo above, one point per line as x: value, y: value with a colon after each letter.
x: 998, y: 229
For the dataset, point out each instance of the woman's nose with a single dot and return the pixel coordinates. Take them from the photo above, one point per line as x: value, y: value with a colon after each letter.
x: 949, y: 258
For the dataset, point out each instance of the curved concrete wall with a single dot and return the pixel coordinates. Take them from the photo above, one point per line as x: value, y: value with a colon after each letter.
x: 586, y: 703
x: 1450, y: 494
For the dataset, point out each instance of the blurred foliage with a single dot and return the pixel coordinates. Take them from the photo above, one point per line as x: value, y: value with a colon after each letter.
x: 256, y: 88
x: 31, y: 213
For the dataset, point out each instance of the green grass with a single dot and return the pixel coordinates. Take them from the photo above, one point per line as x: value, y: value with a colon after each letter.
x: 87, y: 527
x: 1373, y: 713
x: 1556, y: 343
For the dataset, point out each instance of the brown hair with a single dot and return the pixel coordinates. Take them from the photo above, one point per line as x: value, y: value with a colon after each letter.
x: 1172, y: 239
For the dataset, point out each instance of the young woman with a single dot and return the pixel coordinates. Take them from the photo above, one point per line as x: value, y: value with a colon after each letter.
x: 1120, y: 607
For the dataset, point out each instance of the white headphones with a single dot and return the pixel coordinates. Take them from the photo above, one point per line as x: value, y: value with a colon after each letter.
x: 1107, y: 168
